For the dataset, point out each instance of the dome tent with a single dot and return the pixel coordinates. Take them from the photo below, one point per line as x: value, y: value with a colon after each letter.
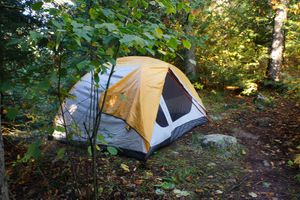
x: 149, y: 104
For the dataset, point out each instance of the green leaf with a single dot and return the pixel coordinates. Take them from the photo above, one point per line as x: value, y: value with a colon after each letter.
x: 101, y: 139
x: 5, y: 85
x: 166, y: 186
x: 158, y: 32
x: 147, y: 34
x: 110, y: 51
x: 186, y: 44
x: 97, y: 147
x: 162, y: 52
x: 96, y: 78
x: 82, y: 31
x: 168, y: 5
x: 75, y: 128
x: 76, y: 24
x: 34, y: 35
x: 150, y: 51
x: 53, y: 11
x: 107, y: 12
x: 173, y: 43
x: 191, y: 18
x: 70, y: 136
x: 37, y: 5
x: 60, y: 129
x: 57, y: 24
x: 60, y: 153
x: 112, y: 150
x: 132, y: 40
x: 83, y: 64
x: 12, y: 113
x: 83, y: 34
x: 111, y: 27
x: 90, y: 150
x: 180, y: 6
x: 33, y: 151
x: 77, y: 40
x: 93, y: 13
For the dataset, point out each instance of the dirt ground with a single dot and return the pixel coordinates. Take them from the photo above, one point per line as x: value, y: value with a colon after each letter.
x: 270, y: 136
x: 261, y: 169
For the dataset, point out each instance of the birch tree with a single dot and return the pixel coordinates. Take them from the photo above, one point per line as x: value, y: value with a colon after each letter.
x: 276, y: 55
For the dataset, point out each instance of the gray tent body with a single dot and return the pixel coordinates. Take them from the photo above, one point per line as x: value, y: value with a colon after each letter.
x: 178, y: 113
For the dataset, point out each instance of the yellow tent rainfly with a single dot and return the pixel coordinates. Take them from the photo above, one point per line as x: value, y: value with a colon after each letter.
x: 149, y: 104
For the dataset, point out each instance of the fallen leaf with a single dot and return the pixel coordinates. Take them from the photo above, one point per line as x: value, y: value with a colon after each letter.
x: 125, y: 167
x: 266, y: 184
x: 160, y: 192
x: 199, y: 190
x: 297, y: 159
x: 124, y: 181
x: 138, y: 182
x: 181, y: 193
x: 252, y: 194
x: 189, y: 178
x: 148, y: 175
x: 219, y: 192
x: 211, y: 164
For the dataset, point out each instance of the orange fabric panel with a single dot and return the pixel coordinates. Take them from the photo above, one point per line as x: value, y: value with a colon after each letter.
x: 136, y: 97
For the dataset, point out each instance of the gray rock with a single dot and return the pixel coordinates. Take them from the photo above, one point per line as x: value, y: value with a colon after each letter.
x: 216, y: 117
x: 219, y: 141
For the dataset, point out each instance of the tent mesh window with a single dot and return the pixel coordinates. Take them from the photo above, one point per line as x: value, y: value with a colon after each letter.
x: 161, y: 118
x: 176, y: 98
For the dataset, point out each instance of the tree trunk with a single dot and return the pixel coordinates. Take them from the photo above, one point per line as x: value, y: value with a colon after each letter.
x: 3, y: 182
x: 190, y: 56
x: 190, y: 61
x: 275, y: 61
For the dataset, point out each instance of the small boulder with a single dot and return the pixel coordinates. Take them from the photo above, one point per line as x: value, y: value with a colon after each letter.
x: 216, y: 117
x: 219, y: 141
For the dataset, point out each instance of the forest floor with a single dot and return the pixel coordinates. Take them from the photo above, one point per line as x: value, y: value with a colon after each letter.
x: 262, y: 169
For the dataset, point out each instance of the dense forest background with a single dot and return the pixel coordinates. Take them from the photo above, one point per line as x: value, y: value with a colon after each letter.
x: 46, y: 46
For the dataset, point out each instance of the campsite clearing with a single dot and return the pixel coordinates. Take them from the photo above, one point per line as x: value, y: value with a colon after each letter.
x: 182, y: 170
